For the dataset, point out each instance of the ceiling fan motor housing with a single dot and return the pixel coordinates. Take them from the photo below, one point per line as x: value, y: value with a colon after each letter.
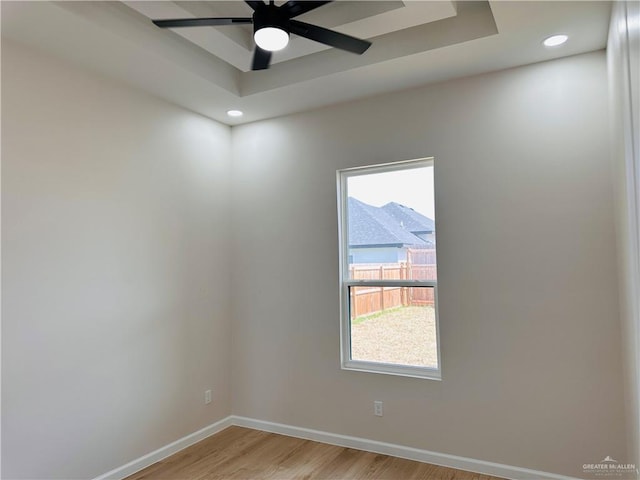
x: 270, y: 16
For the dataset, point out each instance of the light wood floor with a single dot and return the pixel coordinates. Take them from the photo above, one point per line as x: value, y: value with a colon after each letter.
x: 242, y: 453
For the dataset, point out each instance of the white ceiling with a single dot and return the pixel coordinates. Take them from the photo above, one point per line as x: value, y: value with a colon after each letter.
x: 206, y: 69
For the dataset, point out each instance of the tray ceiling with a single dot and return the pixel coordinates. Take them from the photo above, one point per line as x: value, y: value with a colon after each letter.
x: 207, y: 69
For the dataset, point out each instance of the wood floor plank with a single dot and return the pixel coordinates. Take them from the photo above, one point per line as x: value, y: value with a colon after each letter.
x: 308, y: 461
x: 262, y: 460
x: 239, y: 453
x: 351, y: 464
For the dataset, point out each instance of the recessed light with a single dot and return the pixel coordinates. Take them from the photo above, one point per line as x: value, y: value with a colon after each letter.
x: 234, y: 113
x: 555, y: 40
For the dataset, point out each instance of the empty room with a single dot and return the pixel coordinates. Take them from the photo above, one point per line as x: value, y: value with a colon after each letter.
x: 320, y: 240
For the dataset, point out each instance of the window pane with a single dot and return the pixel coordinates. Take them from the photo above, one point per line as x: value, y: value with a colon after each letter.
x: 391, y: 225
x: 388, y: 244
x: 395, y: 325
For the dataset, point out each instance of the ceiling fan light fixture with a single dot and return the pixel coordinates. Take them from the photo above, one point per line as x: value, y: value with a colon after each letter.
x: 271, y: 39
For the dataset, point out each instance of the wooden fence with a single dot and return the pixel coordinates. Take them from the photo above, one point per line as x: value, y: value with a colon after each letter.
x: 420, y: 265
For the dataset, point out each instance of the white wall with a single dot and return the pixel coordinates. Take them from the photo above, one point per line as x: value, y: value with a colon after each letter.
x: 623, y: 54
x: 116, y: 259
x: 530, y: 336
x: 115, y: 251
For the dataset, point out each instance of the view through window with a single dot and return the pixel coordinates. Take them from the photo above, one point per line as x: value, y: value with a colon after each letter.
x: 388, y: 269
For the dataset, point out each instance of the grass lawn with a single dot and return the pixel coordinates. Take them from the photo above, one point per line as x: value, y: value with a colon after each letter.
x: 404, y: 335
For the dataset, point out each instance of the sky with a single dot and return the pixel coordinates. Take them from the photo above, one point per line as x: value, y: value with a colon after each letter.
x: 412, y: 188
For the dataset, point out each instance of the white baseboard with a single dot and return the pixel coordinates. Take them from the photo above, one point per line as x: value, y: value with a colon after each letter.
x: 443, y: 459
x: 163, y: 452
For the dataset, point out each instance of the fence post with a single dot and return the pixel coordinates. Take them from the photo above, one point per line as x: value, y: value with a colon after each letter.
x: 409, y: 276
x: 381, y: 288
x: 403, y: 290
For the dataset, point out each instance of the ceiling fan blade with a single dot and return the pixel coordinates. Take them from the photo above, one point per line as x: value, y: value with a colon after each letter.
x: 254, y: 4
x: 261, y: 59
x: 329, y: 37
x: 201, y: 22
x: 294, y: 8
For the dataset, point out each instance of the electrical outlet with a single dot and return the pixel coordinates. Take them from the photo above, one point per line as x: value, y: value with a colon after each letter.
x: 377, y: 408
x: 207, y: 397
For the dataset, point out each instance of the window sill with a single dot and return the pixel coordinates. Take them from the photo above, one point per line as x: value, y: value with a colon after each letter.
x: 393, y: 369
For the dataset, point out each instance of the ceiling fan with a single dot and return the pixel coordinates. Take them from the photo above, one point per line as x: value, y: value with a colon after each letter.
x: 272, y: 25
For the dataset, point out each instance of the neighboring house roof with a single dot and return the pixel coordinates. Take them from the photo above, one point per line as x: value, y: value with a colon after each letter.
x: 371, y: 226
x: 410, y: 219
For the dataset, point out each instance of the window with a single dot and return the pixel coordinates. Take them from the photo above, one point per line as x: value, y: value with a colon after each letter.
x: 388, y: 273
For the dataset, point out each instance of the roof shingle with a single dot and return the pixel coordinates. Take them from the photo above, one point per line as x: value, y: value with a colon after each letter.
x: 372, y: 226
x: 410, y: 219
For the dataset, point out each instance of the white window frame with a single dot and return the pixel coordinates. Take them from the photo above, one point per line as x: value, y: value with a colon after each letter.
x: 347, y: 363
